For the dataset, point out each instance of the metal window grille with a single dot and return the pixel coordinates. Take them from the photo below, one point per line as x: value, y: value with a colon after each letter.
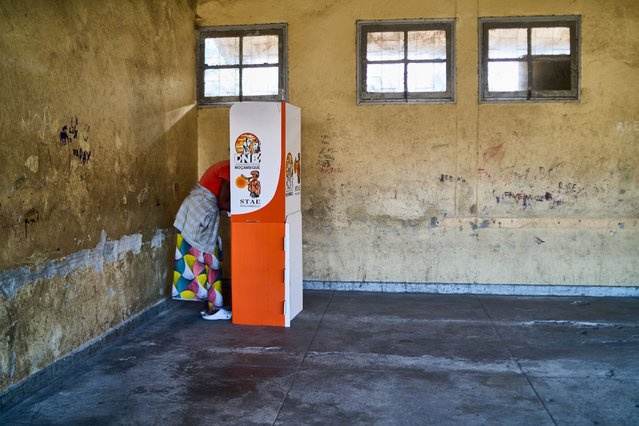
x: 529, y: 59
x: 408, y: 61
x: 242, y: 63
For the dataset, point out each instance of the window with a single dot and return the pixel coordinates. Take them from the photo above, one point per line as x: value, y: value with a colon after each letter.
x: 529, y: 59
x: 405, y: 61
x: 245, y: 63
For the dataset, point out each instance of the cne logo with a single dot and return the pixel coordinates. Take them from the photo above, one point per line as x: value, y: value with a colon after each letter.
x: 248, y: 150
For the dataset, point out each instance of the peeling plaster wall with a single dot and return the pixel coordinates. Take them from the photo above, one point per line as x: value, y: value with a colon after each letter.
x: 435, y: 193
x: 98, y: 146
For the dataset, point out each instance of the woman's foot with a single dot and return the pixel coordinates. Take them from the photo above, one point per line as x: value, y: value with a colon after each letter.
x: 219, y: 314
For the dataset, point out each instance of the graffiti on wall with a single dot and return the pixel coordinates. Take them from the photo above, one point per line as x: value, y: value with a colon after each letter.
x: 68, y: 133
x: 527, y: 199
x: 40, y: 124
x: 71, y: 133
x: 445, y: 177
x: 326, y: 158
x: 628, y: 126
x: 507, y: 186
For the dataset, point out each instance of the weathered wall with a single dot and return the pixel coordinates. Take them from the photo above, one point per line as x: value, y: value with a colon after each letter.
x: 98, y: 146
x: 429, y: 193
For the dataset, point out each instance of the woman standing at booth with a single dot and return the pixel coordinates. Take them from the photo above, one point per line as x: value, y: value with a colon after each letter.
x: 198, y: 255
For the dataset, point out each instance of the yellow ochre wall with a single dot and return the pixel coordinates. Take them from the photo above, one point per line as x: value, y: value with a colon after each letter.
x: 98, y: 147
x: 397, y: 194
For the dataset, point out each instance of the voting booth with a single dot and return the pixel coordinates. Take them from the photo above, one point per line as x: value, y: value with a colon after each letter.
x: 266, y: 220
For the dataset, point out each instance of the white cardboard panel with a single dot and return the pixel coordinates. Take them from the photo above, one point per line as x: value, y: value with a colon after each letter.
x: 293, y: 264
x: 255, y: 146
x: 293, y: 159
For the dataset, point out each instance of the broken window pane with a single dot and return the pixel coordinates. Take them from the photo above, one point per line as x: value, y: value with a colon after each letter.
x: 429, y: 77
x: 427, y: 44
x: 222, y: 82
x: 509, y: 76
x: 222, y: 51
x: 260, y: 49
x: 507, y: 43
x: 385, y: 78
x: 551, y: 75
x: 260, y: 81
x: 550, y: 41
x: 385, y: 46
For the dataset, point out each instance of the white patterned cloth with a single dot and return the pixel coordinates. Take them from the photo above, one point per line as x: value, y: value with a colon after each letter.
x: 198, y: 219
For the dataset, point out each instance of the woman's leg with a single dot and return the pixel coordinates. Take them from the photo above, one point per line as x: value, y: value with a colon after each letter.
x: 214, y: 277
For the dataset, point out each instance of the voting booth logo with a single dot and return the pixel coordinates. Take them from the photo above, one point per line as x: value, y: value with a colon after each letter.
x: 248, y: 150
x: 289, y: 174
x: 293, y: 174
x: 248, y: 157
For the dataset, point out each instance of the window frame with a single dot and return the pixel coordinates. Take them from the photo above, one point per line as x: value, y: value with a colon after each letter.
x: 573, y: 22
x: 364, y: 27
x: 242, y: 31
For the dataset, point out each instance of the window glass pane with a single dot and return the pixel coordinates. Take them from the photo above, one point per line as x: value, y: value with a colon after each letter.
x: 507, y: 76
x: 427, y: 44
x: 260, y: 81
x: 222, y: 82
x: 551, y: 75
x: 385, y: 46
x: 222, y: 51
x: 507, y: 43
x: 260, y: 50
x: 550, y: 41
x: 430, y: 77
x: 385, y: 78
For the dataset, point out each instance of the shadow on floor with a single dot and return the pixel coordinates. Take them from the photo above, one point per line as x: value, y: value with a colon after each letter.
x: 365, y: 358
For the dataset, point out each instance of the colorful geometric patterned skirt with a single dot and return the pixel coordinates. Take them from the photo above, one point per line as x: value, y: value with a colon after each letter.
x: 197, y: 276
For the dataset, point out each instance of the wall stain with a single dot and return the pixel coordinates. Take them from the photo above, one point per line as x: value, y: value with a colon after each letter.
x: 30, y: 217
x: 494, y: 153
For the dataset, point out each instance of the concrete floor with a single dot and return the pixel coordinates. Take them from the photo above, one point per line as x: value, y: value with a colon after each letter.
x: 365, y: 358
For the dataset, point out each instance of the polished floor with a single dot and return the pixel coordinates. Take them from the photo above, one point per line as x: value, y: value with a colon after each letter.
x: 364, y: 359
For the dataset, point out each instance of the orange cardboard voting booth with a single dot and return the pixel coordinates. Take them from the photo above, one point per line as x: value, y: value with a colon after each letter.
x: 266, y: 220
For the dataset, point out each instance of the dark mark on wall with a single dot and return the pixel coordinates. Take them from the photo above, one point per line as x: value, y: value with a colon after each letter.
x: 539, y: 240
x: 484, y: 224
x: 526, y: 199
x: 83, y: 155
x: 434, y: 223
x: 568, y: 187
x: 443, y: 177
x: 32, y: 216
x: 326, y: 159
x: 70, y: 134
x: 64, y: 136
